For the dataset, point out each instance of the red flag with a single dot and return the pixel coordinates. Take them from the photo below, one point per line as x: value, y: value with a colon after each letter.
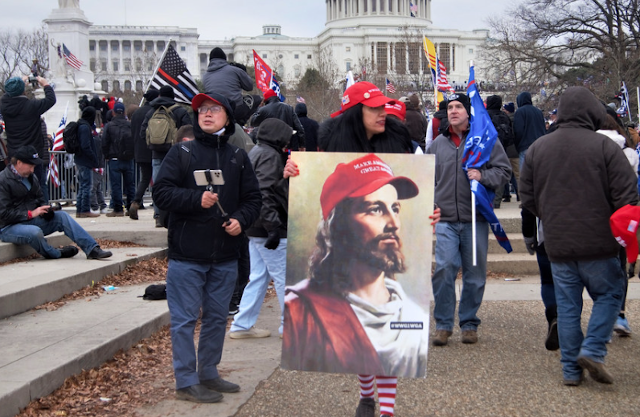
x: 263, y: 73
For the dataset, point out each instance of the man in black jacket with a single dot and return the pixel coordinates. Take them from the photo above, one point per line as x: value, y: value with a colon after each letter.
x: 504, y: 127
x: 205, y: 234
x: 22, y: 116
x: 25, y: 218
x: 158, y: 152
x: 528, y: 124
x: 117, y: 147
x: 273, y: 107
x: 142, y: 152
x: 310, y: 129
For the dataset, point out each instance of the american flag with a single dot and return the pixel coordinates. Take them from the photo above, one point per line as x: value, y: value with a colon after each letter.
x: 443, y: 84
x: 173, y: 72
x: 413, y: 8
x: 70, y: 58
x: 58, y: 145
x: 300, y: 99
x: 390, y: 87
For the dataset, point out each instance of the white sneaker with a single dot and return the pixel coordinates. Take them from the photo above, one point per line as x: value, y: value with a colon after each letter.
x: 95, y: 211
x: 252, y: 333
x: 104, y: 210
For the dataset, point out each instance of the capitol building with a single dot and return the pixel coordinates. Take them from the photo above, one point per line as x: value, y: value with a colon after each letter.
x: 379, y: 36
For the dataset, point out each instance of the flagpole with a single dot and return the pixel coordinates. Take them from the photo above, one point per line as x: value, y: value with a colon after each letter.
x: 638, y: 93
x: 473, y: 214
x: 164, y: 53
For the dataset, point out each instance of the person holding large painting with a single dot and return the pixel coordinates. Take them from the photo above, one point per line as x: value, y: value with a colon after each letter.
x: 361, y: 125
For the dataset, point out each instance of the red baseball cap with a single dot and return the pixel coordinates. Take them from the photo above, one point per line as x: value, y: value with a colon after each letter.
x: 360, y: 177
x: 624, y: 223
x: 363, y: 92
x: 197, y: 101
x: 268, y: 94
x: 398, y: 109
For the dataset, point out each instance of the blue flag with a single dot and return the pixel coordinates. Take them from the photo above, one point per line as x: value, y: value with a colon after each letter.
x: 477, y: 152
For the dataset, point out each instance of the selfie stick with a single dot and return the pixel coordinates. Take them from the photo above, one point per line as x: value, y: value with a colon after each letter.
x: 207, y: 175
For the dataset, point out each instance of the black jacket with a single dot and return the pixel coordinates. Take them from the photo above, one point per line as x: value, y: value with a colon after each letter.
x: 310, y: 129
x: 180, y: 115
x: 117, y: 141
x: 22, y: 119
x: 273, y: 135
x: 15, y: 199
x: 528, y: 122
x: 196, y: 234
x: 502, y: 122
x: 87, y: 156
x: 278, y: 110
x: 142, y: 152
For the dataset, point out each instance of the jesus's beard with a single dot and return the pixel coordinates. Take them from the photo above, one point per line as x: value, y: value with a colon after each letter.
x: 388, y: 259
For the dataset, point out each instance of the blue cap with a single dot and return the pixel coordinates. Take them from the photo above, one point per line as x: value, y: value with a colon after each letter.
x: 118, y: 108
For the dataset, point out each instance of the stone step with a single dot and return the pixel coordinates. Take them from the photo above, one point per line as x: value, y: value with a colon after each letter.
x: 25, y: 285
x: 41, y: 348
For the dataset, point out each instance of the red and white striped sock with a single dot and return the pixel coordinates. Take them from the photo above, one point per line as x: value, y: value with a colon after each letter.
x: 387, y: 393
x: 366, y: 386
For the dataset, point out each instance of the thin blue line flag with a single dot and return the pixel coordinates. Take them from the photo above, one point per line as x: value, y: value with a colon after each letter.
x: 477, y: 152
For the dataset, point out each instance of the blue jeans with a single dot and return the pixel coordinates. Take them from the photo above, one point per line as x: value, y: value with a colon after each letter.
x: 85, y: 184
x: 190, y: 287
x: 121, y: 173
x: 603, y: 280
x: 266, y: 265
x: 32, y: 232
x: 453, y: 250
x: 522, y: 155
x: 155, y: 168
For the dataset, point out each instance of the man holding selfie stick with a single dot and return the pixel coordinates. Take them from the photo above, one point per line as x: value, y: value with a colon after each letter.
x: 203, y: 243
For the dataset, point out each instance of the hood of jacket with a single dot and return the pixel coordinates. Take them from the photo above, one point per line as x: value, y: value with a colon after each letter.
x: 216, y: 63
x: 162, y: 101
x: 13, y: 106
x: 579, y: 108
x: 301, y: 110
x: 494, y: 103
x: 274, y: 132
x: 524, y: 99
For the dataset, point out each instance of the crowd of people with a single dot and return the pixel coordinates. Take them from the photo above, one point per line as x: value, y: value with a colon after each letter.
x: 226, y: 247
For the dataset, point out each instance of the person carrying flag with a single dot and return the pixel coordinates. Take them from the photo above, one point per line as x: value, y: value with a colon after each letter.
x: 454, y: 231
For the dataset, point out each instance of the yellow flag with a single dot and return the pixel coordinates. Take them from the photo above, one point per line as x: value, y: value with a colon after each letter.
x: 430, y: 53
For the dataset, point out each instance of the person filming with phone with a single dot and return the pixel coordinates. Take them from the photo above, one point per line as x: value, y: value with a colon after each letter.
x: 211, y: 193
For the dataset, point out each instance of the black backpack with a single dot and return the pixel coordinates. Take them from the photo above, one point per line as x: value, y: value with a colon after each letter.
x: 155, y: 292
x: 70, y: 138
x: 122, y: 140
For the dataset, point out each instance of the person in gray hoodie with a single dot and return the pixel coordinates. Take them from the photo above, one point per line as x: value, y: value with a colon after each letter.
x: 573, y: 180
x: 228, y: 79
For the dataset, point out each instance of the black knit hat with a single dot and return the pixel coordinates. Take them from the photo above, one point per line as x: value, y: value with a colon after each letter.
x: 462, y: 98
x: 167, y: 91
x: 217, y: 53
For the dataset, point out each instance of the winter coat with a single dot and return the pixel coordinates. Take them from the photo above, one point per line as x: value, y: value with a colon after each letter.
x: 453, y: 190
x: 310, y: 128
x: 87, y: 156
x: 574, y: 179
x: 15, y: 199
x: 278, y: 110
x: 180, y: 115
x: 417, y: 124
x: 273, y: 135
x: 142, y: 152
x: 111, y: 138
x: 227, y: 80
x: 196, y: 234
x: 503, y: 125
x: 22, y: 119
x: 528, y: 122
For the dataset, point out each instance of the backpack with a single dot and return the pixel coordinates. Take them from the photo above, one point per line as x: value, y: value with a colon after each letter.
x: 161, y: 128
x: 70, y: 138
x: 155, y: 292
x: 502, y: 123
x: 123, y: 141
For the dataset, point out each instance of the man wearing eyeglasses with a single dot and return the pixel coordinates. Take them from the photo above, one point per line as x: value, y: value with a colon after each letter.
x: 204, y: 243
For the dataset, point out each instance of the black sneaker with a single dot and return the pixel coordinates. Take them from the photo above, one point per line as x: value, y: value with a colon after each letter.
x: 552, y: 342
x: 366, y: 408
x: 233, y: 309
x: 98, y: 253
x: 133, y: 211
x: 198, y: 394
x: 220, y: 385
x: 68, y: 252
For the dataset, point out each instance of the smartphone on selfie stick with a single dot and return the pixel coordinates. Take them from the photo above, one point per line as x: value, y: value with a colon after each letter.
x: 209, y: 178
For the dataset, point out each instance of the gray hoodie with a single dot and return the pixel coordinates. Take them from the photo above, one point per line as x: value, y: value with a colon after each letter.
x: 227, y: 80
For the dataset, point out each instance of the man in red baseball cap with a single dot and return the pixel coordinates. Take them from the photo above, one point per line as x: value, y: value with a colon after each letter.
x: 273, y: 108
x: 344, y: 317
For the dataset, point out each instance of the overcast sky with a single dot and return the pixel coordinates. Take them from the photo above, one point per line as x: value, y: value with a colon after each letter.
x: 220, y: 19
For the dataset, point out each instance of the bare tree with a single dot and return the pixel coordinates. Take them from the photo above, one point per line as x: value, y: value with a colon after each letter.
x: 552, y: 44
x: 19, y: 49
x: 322, y: 85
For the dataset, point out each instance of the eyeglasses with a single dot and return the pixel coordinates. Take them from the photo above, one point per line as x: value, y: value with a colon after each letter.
x: 212, y: 109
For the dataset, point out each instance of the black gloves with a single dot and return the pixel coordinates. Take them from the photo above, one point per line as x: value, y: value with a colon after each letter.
x: 531, y: 244
x: 48, y: 215
x: 273, y: 240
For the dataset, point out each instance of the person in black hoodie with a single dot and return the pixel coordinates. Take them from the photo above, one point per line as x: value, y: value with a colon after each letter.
x: 22, y: 116
x: 204, y: 243
x: 310, y: 128
x: 181, y: 118
x: 528, y: 124
x: 86, y: 160
x: 504, y: 127
x: 117, y: 147
x: 273, y: 108
x: 142, y: 152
